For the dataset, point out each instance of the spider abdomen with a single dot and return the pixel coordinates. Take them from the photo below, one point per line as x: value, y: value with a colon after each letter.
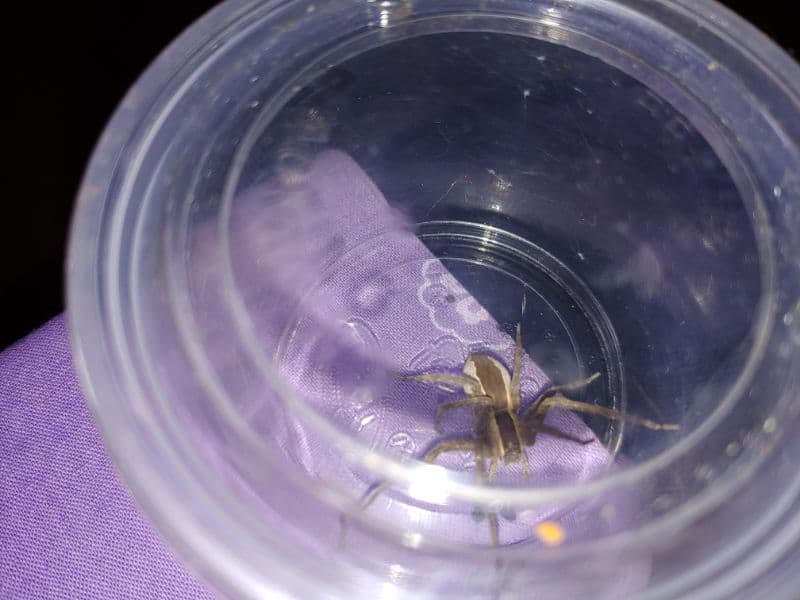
x: 492, y: 379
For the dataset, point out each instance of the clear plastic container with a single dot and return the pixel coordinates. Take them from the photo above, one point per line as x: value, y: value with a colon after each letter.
x: 302, y: 208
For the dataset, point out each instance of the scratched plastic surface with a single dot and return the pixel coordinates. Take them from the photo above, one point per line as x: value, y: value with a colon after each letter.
x: 299, y: 204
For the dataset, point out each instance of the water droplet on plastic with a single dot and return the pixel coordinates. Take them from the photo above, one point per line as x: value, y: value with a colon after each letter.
x: 733, y: 449
x: 509, y: 514
x: 366, y: 420
x: 662, y: 503
x: 704, y: 473
x: 361, y: 397
x: 402, y: 440
x: 608, y: 512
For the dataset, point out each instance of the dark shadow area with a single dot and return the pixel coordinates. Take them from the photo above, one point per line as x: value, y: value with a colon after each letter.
x: 70, y: 63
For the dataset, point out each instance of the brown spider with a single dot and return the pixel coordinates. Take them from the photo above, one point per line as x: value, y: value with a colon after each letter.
x: 500, y: 431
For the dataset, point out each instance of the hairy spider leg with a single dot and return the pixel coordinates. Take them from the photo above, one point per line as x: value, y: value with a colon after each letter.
x: 516, y: 398
x: 477, y: 400
x: 552, y: 398
x: 491, y: 517
x: 448, y: 379
x: 585, y: 407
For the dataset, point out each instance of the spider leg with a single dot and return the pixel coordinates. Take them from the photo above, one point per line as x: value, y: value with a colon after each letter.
x: 516, y: 396
x: 478, y: 400
x: 538, y: 426
x: 554, y: 390
x: 449, y: 446
x: 526, y: 468
x: 480, y: 469
x: 571, y: 386
x: 373, y: 491
x: 494, y: 529
x: 448, y: 379
x: 516, y: 373
x: 492, y: 468
x: 577, y: 406
x: 369, y: 496
x: 376, y: 489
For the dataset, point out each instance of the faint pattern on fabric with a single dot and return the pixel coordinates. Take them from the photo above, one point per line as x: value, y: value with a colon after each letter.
x: 68, y: 526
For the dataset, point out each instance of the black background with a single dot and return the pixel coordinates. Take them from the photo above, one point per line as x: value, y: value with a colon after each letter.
x: 69, y: 66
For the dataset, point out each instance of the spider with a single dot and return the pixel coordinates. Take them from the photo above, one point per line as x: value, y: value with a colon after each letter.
x: 500, y: 430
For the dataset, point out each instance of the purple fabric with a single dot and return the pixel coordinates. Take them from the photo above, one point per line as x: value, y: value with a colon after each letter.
x: 359, y: 296
x: 68, y: 526
x: 373, y: 300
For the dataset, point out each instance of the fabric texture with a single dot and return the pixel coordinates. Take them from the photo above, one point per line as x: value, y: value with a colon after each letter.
x: 68, y: 526
x: 363, y: 297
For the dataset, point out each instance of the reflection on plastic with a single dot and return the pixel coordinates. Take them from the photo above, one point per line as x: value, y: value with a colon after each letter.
x: 341, y: 294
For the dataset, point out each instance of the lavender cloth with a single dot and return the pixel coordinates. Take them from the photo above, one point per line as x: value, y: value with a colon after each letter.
x: 68, y: 526
x: 376, y: 300
x: 69, y: 529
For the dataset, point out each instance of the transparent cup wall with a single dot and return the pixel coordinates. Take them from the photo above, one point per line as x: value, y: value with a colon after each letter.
x: 307, y: 218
